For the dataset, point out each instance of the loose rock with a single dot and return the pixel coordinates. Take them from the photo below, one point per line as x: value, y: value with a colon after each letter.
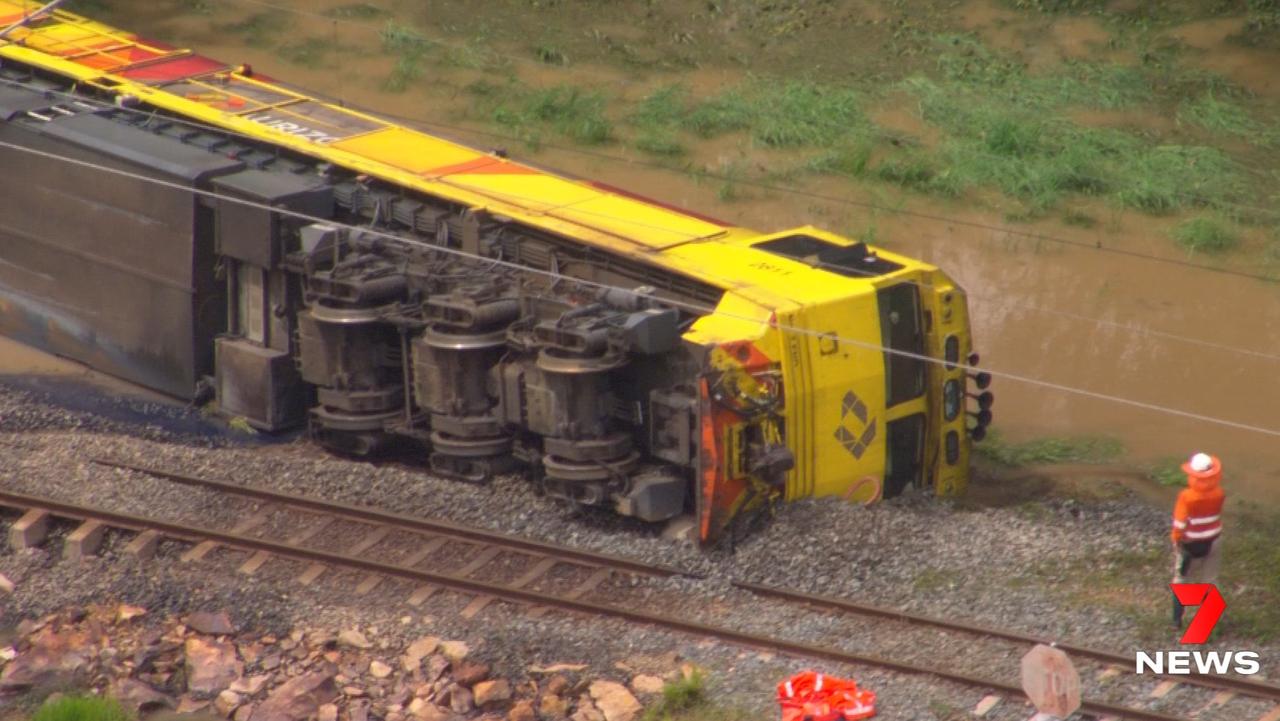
x: 52, y: 659
x: 557, y: 685
x: 125, y: 613
x: 454, y: 651
x: 211, y: 666
x: 249, y: 685
x: 296, y: 698
x: 491, y: 692
x: 210, y: 624
x: 586, y: 711
x: 647, y: 685
x: 432, y: 712
x: 6, y: 585
x: 522, y: 711
x: 469, y: 673
x: 553, y: 707
x: 460, y: 699
x: 353, y: 639
x: 614, y: 701
x: 422, y: 648
x: 378, y: 669
x: 137, y: 697
x: 227, y: 702
x: 435, y: 668
x: 190, y: 704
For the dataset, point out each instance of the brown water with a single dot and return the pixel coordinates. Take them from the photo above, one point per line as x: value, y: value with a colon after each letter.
x: 1010, y: 278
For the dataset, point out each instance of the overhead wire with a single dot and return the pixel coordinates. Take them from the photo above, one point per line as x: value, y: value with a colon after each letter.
x: 526, y: 200
x: 692, y: 307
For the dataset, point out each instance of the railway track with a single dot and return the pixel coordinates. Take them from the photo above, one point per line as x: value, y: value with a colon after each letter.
x: 582, y: 573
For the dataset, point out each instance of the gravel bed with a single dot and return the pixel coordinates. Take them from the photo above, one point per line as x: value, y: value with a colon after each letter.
x: 915, y: 552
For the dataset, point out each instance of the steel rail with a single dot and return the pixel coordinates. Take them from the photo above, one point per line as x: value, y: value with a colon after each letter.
x: 520, y: 595
x: 410, y: 523
x: 1251, y: 688
x: 367, y: 514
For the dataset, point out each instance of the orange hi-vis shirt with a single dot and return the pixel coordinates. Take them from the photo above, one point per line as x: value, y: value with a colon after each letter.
x: 1197, y: 516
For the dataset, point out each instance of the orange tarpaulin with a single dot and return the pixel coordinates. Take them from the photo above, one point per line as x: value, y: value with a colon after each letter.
x: 812, y: 696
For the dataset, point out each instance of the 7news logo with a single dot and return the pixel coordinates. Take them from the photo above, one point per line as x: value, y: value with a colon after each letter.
x: 1211, y: 605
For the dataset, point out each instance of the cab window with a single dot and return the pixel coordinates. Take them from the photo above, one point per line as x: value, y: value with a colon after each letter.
x: 900, y: 330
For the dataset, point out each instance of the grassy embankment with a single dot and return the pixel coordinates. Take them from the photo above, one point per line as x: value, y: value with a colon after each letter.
x: 994, y: 132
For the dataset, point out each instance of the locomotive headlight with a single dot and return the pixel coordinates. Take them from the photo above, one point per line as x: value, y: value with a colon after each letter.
x: 985, y: 399
x: 951, y: 398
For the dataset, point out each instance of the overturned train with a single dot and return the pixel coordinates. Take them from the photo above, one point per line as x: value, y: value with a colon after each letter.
x: 187, y: 224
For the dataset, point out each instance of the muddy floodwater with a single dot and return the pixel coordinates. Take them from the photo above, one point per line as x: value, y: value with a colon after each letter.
x: 1064, y: 312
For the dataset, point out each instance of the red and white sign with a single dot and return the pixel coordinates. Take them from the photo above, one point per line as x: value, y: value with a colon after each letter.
x: 1051, y: 681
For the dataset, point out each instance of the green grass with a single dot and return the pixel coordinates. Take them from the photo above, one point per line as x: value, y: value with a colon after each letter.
x: 401, y: 39
x: 660, y: 141
x: 931, y: 579
x: 679, y: 695
x: 1079, y: 218
x: 311, y: 52
x: 572, y: 112
x: 80, y: 708
x: 663, y: 108
x: 1251, y: 576
x: 775, y: 114
x: 656, y: 119
x: 730, y: 188
x: 87, y: 7
x: 687, y: 699
x: 1217, y: 115
x: 1167, y: 472
x: 356, y: 11
x: 240, y: 425
x: 260, y: 29
x: 965, y: 62
x: 1040, y: 159
x: 411, y: 47
x: 1005, y: 127
x: 781, y: 115
x: 550, y: 54
x: 476, y: 55
x: 1261, y: 24
x: 1054, y: 7
x: 1074, y: 449
x: 849, y: 159
x: 1205, y: 234
x: 999, y: 126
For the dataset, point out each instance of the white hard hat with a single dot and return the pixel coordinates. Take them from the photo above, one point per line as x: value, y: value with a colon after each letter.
x: 1201, y: 462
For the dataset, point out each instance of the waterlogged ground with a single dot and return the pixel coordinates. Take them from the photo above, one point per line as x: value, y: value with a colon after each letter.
x: 1100, y: 175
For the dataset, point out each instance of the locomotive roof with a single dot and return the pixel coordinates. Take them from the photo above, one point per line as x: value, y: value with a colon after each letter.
x: 235, y: 98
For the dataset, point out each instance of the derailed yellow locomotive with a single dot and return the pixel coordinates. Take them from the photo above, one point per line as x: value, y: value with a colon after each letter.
x: 323, y: 266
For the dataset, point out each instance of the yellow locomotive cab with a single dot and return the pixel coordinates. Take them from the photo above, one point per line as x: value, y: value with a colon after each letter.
x: 700, y: 367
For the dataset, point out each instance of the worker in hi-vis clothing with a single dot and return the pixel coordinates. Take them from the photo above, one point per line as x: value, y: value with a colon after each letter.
x: 1197, y: 524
